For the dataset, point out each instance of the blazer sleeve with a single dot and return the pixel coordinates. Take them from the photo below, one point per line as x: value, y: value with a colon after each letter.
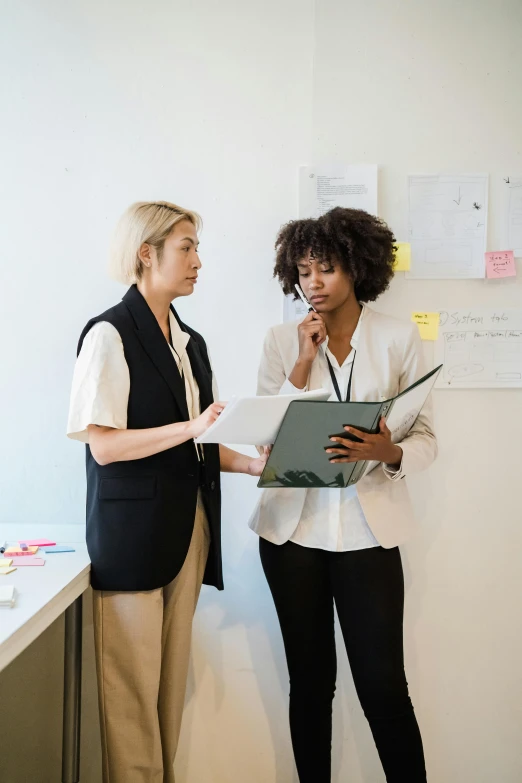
x: 271, y: 377
x: 419, y: 447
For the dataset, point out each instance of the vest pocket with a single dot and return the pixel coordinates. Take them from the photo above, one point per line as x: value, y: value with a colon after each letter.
x: 127, y: 488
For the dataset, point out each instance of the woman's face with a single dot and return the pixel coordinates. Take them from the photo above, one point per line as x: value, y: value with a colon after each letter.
x: 176, y: 273
x: 325, y: 284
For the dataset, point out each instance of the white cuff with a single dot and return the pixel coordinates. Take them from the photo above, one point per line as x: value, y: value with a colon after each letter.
x: 394, y: 474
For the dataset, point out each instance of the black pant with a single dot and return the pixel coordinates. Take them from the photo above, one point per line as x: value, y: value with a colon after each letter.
x: 368, y: 589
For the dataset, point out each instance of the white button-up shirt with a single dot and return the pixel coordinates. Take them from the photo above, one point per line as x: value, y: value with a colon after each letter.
x: 333, y: 519
x: 101, y: 380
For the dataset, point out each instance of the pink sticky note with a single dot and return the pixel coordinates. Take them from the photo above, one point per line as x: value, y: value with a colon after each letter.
x: 27, y: 561
x: 40, y: 542
x: 500, y: 263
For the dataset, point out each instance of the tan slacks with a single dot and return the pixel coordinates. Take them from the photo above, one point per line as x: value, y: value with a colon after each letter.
x: 142, y: 642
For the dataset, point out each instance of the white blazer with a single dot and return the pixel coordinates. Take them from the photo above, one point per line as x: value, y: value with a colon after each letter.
x: 389, y: 359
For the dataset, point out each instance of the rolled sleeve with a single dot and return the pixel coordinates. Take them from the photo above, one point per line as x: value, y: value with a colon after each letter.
x: 101, y: 384
x: 392, y: 473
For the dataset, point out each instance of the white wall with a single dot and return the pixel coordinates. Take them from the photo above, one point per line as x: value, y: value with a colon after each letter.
x: 215, y: 106
x: 427, y: 87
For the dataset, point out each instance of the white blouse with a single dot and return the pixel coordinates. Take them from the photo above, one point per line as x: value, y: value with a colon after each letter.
x: 101, y: 380
x: 333, y: 519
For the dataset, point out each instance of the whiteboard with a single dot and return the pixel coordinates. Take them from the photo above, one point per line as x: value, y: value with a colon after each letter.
x: 479, y: 349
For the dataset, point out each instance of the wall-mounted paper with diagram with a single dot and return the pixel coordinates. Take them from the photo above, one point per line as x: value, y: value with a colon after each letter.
x: 447, y: 221
x: 480, y: 349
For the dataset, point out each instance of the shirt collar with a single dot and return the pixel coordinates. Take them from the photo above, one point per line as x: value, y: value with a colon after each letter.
x: 180, y: 339
x: 357, y: 333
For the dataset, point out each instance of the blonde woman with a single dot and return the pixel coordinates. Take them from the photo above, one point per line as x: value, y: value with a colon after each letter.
x: 143, y: 390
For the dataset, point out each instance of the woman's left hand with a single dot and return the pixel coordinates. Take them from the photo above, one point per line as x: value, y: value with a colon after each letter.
x: 257, y: 466
x: 373, y: 447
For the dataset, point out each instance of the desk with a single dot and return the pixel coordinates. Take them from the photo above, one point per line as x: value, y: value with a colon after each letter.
x: 43, y: 594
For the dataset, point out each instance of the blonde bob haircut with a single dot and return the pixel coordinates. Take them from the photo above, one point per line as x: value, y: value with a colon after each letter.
x: 145, y: 222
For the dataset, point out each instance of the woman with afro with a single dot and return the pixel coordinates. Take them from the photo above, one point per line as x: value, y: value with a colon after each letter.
x: 327, y: 547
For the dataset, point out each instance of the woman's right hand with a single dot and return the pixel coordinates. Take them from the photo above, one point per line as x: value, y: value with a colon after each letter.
x: 202, y: 423
x: 312, y: 333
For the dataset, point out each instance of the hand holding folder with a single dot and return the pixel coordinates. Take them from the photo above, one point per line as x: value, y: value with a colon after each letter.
x: 298, y: 457
x: 353, y: 445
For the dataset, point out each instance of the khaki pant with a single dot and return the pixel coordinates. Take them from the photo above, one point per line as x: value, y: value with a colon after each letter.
x: 142, y: 644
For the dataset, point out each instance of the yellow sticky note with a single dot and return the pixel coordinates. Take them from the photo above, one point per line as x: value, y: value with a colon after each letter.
x: 428, y: 324
x: 4, y: 571
x: 5, y: 563
x: 403, y: 257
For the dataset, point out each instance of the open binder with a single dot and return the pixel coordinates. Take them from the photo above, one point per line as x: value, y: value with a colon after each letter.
x: 298, y: 457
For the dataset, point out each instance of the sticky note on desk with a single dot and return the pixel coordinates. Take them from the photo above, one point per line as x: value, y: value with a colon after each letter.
x: 14, y: 551
x: 27, y: 561
x: 428, y: 324
x: 7, y: 595
x: 4, y: 571
x: 39, y: 542
x: 5, y: 562
x: 402, y: 257
x: 55, y: 549
x: 500, y: 263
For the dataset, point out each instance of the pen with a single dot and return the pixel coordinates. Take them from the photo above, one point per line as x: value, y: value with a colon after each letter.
x: 3, y: 548
x: 304, y: 300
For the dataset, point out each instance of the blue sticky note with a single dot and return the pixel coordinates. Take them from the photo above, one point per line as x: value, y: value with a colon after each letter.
x: 53, y: 549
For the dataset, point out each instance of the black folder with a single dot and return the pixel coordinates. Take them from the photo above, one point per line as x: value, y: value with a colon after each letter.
x: 298, y: 457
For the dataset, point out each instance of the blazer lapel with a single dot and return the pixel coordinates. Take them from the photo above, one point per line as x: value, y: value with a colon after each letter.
x: 153, y: 340
x: 316, y: 373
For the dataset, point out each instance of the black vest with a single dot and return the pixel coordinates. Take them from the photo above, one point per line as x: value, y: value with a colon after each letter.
x: 140, y: 513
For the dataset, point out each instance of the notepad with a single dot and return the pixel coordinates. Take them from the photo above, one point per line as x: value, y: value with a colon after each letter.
x: 5, y: 562
x: 39, y: 542
x: 254, y: 421
x: 7, y: 595
x: 58, y: 549
x: 14, y: 551
x: 27, y: 561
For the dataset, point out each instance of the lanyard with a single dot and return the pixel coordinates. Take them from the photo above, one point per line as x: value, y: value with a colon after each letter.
x: 334, y: 379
